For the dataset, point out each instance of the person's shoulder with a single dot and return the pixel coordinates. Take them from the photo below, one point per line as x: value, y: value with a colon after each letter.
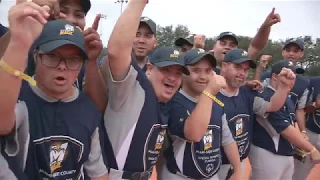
x: 87, y: 104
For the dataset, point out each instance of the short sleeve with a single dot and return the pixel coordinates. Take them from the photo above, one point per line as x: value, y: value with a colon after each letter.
x: 95, y: 166
x: 303, y: 99
x: 279, y: 120
x: 119, y: 90
x: 227, y: 137
x: 177, y: 118
x: 260, y: 106
x: 12, y: 145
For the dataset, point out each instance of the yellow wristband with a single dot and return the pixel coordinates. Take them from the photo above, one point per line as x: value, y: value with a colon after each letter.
x: 308, y: 153
x: 213, y: 98
x: 17, y: 73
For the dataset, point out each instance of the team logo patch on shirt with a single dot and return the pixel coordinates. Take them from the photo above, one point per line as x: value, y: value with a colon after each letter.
x: 207, y: 139
x: 160, y: 140
x: 239, y: 127
x: 58, y: 152
x: 68, y: 30
x: 64, y: 154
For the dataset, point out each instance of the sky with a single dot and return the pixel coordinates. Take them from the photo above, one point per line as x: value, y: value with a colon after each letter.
x: 211, y: 17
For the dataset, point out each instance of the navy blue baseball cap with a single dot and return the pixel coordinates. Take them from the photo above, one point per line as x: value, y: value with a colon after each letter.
x: 228, y: 34
x: 167, y: 56
x: 150, y: 23
x: 86, y: 5
x: 58, y: 33
x: 238, y: 56
x: 277, y: 67
x: 194, y: 55
x: 296, y: 41
x: 184, y: 41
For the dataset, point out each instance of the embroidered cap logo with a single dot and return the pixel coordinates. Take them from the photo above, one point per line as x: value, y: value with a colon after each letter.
x: 245, y: 53
x: 175, y: 54
x: 68, y: 30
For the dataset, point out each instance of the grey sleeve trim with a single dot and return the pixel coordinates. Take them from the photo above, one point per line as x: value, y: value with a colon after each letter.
x: 227, y: 137
x: 303, y: 99
x: 119, y: 90
x: 21, y: 116
x: 95, y: 166
x: 260, y: 106
x: 266, y: 82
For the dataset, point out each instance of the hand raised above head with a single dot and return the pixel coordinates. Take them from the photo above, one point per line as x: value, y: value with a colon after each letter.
x: 26, y: 20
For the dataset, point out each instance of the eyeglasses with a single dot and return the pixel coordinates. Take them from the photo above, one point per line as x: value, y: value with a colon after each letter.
x: 53, y: 61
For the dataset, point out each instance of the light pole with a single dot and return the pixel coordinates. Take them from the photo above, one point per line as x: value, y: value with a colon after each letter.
x: 103, y: 16
x: 122, y: 2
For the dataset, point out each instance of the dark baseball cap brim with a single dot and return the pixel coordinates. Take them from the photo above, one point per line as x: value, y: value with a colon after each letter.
x: 231, y: 36
x: 293, y: 43
x: 297, y: 70
x: 241, y: 60
x: 171, y: 63
x: 52, y: 45
x: 211, y: 58
x: 182, y: 41
x: 151, y: 27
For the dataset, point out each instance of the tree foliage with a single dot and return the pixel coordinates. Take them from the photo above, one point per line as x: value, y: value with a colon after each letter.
x: 311, y: 61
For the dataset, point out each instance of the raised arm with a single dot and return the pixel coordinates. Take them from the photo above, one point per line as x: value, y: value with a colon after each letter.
x: 26, y: 21
x: 122, y: 37
x: 95, y: 87
x: 260, y: 40
x: 287, y: 79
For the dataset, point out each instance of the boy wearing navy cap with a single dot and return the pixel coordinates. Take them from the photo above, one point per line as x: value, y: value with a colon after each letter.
x: 241, y: 103
x: 274, y: 137
x: 197, y: 132
x: 50, y: 128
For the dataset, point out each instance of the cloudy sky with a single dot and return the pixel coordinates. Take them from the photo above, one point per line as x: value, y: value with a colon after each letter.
x: 210, y: 17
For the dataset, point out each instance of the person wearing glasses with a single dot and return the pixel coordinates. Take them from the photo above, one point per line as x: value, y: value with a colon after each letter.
x: 48, y: 128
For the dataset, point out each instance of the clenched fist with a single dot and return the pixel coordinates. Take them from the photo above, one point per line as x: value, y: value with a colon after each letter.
x: 254, y: 85
x: 199, y: 41
x: 216, y: 82
x: 287, y: 78
x: 26, y: 20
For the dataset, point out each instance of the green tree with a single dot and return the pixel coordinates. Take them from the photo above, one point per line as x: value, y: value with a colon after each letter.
x: 209, y: 43
x: 168, y: 34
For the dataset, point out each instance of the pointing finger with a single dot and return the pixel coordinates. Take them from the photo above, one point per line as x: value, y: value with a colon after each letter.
x: 96, y: 21
x: 272, y: 12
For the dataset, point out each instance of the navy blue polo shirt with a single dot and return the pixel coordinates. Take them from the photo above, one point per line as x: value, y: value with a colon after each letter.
x: 54, y: 138
x: 266, y: 130
x: 136, y: 124
x: 3, y: 30
x: 313, y: 119
x: 195, y: 160
x: 240, y: 110
x: 298, y: 93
